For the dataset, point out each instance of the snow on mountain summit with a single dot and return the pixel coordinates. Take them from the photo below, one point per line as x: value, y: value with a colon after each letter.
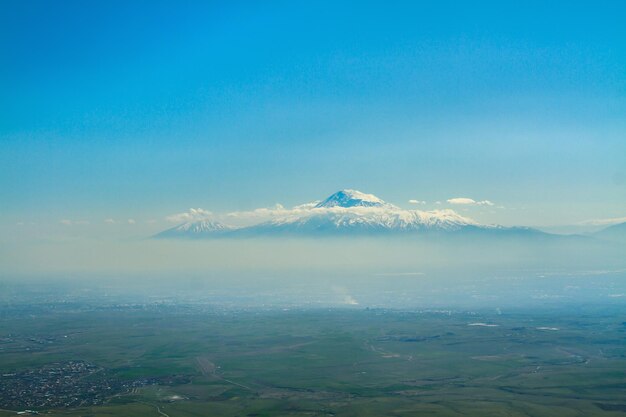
x: 202, y: 226
x: 387, y: 218
x: 352, y: 198
x: 351, y: 211
x: 196, y: 228
x: 344, y: 212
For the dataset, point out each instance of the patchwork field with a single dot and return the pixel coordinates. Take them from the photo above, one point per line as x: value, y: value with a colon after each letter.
x: 189, y: 361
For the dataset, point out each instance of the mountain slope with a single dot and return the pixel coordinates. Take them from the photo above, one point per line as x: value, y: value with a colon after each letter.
x: 352, y: 198
x: 374, y: 220
x: 616, y: 233
x: 348, y: 212
x: 197, y: 229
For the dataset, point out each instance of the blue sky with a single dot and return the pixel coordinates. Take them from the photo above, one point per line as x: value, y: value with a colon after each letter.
x: 143, y: 109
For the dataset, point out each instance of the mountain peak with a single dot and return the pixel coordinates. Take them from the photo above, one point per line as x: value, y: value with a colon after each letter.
x: 352, y: 198
x: 196, y: 228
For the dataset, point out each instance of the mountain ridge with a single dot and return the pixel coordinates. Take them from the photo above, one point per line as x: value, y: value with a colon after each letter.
x: 344, y: 213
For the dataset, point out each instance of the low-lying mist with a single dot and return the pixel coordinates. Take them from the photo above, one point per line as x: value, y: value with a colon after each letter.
x: 352, y: 272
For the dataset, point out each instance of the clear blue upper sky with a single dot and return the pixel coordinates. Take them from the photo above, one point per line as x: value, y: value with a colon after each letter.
x: 116, y: 108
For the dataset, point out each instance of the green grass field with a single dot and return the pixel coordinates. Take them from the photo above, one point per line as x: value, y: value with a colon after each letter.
x: 344, y: 362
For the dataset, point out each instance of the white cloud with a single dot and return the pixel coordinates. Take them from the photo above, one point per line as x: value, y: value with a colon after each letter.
x: 604, y: 222
x: 68, y: 222
x: 279, y: 213
x: 310, y: 205
x: 384, y: 214
x: 417, y: 202
x: 277, y: 210
x: 191, y: 215
x: 113, y: 221
x: 469, y: 202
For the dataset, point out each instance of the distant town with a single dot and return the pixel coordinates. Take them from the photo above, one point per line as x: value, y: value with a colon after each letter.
x: 62, y: 385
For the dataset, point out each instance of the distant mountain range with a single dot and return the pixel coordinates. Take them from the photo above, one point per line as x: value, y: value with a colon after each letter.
x: 347, y: 212
x: 614, y: 233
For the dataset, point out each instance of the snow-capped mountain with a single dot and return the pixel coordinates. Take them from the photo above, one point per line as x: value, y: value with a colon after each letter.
x: 346, y: 212
x: 339, y: 220
x: 198, y: 228
x: 352, y: 198
x: 354, y: 212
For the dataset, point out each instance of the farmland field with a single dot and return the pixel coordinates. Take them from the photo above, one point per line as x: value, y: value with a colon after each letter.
x: 192, y: 361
